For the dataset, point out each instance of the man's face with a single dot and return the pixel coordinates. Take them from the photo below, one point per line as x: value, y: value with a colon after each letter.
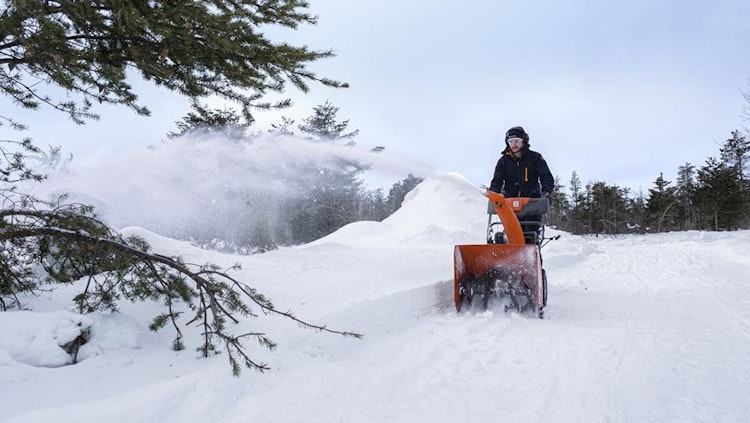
x: 515, y: 144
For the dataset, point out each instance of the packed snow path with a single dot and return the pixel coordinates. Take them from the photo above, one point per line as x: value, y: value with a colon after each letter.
x: 640, y: 328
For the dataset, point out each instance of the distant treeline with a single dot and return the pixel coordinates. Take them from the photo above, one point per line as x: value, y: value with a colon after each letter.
x: 714, y: 196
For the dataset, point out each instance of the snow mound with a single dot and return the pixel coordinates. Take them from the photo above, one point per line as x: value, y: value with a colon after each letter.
x: 442, y: 209
x: 39, y: 339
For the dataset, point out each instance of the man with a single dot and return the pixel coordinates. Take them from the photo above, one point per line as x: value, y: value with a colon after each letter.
x: 521, y: 172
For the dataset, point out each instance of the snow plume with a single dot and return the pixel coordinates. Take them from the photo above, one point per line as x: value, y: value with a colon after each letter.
x: 195, y: 187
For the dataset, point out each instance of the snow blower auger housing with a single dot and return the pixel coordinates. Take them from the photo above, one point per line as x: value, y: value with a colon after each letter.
x: 509, y: 267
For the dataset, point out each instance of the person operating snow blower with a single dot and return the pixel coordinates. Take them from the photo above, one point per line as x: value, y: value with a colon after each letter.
x: 521, y: 172
x: 508, y: 268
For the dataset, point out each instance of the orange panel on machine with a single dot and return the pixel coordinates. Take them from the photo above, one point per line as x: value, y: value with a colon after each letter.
x: 480, y: 259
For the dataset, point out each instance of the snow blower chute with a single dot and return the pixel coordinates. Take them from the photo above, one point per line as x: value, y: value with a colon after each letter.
x: 509, y: 267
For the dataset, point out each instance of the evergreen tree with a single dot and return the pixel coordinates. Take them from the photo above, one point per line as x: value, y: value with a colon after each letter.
x: 283, y: 128
x: 718, y: 196
x: 575, y: 188
x: 559, y: 206
x: 600, y: 208
x: 582, y: 213
x: 261, y: 235
x: 609, y: 212
x: 331, y: 202
x: 374, y: 206
x: 323, y: 124
x: 735, y: 152
x: 206, y: 122
x: 398, y: 191
x: 660, y: 210
x: 577, y: 213
x: 686, y: 187
x: 637, y: 213
x: 332, y: 192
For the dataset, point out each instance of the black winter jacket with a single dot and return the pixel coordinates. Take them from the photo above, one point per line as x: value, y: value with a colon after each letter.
x: 528, y: 176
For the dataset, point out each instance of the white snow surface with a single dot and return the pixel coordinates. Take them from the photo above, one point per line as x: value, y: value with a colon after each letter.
x: 640, y: 328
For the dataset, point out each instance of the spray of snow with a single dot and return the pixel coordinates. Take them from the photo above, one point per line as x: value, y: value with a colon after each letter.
x: 189, y: 182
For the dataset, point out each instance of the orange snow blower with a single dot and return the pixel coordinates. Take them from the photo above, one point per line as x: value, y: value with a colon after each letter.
x: 509, y: 267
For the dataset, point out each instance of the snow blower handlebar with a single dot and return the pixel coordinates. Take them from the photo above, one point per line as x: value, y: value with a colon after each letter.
x: 505, y: 210
x: 523, y: 206
x: 509, y: 210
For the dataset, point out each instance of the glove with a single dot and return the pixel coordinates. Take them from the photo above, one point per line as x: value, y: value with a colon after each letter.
x: 546, y: 195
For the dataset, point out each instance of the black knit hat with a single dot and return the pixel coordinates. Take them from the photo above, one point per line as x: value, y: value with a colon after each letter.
x: 517, y: 132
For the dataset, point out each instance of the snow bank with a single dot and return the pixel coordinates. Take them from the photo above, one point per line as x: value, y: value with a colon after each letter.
x: 39, y: 339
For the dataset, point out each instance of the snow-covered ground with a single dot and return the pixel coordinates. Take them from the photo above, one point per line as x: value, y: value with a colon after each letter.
x: 651, y: 328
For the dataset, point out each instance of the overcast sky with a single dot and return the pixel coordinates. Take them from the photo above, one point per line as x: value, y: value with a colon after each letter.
x: 617, y: 91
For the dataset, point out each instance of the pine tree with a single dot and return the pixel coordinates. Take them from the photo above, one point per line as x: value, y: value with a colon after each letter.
x: 332, y: 193
x: 609, y: 211
x: 637, y: 213
x: 736, y: 152
x: 324, y: 126
x: 660, y: 209
x: 718, y: 196
x: 577, y: 213
x: 373, y: 206
x: 205, y: 123
x: 283, y: 128
x: 575, y: 187
x: 559, y: 206
x: 686, y: 186
x: 398, y: 191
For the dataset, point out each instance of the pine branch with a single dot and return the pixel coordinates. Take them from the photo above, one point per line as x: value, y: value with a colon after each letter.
x: 195, y: 48
x: 85, y: 246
